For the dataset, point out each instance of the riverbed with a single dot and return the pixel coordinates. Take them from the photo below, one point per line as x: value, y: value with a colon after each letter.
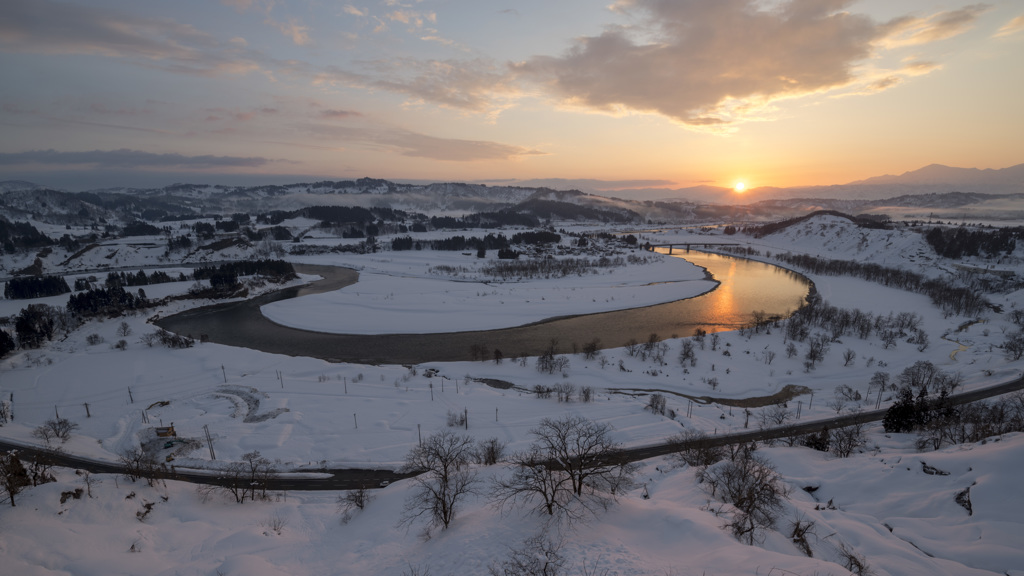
x: 744, y: 286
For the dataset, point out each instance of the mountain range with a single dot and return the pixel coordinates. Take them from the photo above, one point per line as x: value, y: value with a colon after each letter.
x: 932, y: 191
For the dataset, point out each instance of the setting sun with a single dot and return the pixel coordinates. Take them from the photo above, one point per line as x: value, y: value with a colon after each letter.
x: 739, y: 188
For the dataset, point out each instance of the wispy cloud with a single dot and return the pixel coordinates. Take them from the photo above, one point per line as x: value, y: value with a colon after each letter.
x: 913, y: 31
x: 338, y: 114
x: 298, y: 33
x: 49, y: 27
x: 125, y: 158
x: 353, y: 11
x: 476, y: 85
x: 412, y: 17
x: 418, y: 145
x: 1010, y: 28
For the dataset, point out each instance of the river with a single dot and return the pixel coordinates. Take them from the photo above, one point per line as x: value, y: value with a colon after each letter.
x: 745, y: 286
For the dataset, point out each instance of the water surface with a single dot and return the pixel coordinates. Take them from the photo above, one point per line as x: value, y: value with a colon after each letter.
x: 745, y: 286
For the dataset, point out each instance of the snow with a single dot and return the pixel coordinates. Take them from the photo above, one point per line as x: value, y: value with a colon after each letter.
x: 398, y: 294
x: 306, y: 414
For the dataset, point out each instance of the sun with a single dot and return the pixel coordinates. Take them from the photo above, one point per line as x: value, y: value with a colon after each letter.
x: 740, y: 188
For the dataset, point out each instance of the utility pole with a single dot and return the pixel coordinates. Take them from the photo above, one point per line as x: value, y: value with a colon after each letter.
x: 209, y: 441
x: 356, y: 420
x: 465, y: 417
x: 55, y: 412
x: 419, y: 434
x: 87, y: 414
x: 225, y: 372
x: 346, y: 384
x: 130, y: 397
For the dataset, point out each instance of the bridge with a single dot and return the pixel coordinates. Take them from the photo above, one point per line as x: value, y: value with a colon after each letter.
x: 650, y: 247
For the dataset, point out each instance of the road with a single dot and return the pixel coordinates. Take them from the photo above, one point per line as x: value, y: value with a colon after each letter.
x: 349, y: 479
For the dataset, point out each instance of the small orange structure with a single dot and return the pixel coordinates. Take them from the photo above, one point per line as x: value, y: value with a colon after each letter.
x: 166, y: 431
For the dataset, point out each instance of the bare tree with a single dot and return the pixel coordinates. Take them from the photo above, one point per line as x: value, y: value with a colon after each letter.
x: 687, y: 355
x: 124, y: 329
x: 44, y: 433
x: 879, y: 380
x: 533, y: 482
x: 849, y: 355
x: 89, y: 481
x: 694, y: 448
x: 586, y: 394
x: 656, y: 403
x: 353, y: 500
x: 139, y: 464
x: 844, y: 441
x: 1014, y: 345
x: 260, y: 471
x: 489, y: 451
x: 40, y: 467
x: 837, y: 403
x: 443, y: 478
x: 754, y: 489
x: 538, y: 556
x: 632, y: 347
x: 775, y: 415
x: 572, y: 470
x: 13, y: 477
x: 234, y: 482
x: 550, y: 363
x: 565, y: 391
x: 59, y: 428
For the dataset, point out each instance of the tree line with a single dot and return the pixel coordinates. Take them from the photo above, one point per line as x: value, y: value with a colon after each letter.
x: 958, y: 300
x: 279, y: 270
x: 26, y: 287
x: 958, y: 242
x: 16, y: 236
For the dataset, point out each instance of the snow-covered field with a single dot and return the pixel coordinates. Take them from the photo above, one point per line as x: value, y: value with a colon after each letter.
x: 399, y: 293
x: 304, y: 414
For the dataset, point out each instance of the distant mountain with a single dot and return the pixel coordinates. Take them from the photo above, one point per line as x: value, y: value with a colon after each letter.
x: 931, y: 192
x: 17, y: 186
x: 939, y: 175
x: 932, y: 179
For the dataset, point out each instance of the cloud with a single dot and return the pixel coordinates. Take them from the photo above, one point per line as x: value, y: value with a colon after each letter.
x: 911, y: 31
x: 216, y: 114
x: 1010, y: 28
x: 48, y: 27
x: 298, y: 33
x: 417, y: 145
x: 475, y: 85
x: 412, y: 17
x: 353, y: 11
x: 125, y: 158
x: 338, y: 114
x: 710, y: 65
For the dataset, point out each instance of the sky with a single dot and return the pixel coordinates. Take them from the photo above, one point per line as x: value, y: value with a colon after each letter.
x: 620, y: 93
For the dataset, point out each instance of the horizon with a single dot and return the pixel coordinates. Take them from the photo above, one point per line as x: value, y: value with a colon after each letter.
x: 633, y: 190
